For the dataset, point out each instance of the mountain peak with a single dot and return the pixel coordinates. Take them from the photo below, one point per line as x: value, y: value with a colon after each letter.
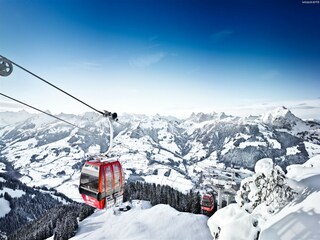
x: 201, y: 117
x: 281, y: 117
x: 222, y: 115
x: 281, y: 110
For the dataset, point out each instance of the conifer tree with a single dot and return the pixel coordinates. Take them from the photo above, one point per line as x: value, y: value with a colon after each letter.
x: 268, y: 185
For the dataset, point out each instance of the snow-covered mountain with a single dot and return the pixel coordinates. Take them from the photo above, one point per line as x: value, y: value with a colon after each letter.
x: 180, y: 153
x: 8, y: 118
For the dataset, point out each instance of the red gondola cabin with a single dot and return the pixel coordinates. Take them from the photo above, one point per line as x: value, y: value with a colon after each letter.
x: 207, y: 203
x: 102, y: 182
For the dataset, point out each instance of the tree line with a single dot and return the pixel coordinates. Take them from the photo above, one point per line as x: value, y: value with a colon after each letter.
x: 156, y: 194
x: 50, y: 216
x: 39, y: 214
x: 60, y: 221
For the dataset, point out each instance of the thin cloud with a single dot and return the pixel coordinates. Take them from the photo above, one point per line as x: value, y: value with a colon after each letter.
x: 221, y: 35
x: 8, y: 105
x: 303, y: 109
x: 148, y: 60
x: 307, y: 104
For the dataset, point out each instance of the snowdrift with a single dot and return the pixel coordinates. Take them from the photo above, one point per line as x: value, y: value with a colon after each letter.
x: 300, y: 218
x: 144, y: 222
x: 297, y: 220
x: 233, y: 222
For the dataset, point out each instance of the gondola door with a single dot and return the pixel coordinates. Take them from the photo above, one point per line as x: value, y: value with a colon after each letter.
x: 116, y: 177
x: 109, y: 185
x: 109, y: 180
x: 118, y: 182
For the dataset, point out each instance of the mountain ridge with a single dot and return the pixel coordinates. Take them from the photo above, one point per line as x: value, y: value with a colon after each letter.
x: 45, y: 151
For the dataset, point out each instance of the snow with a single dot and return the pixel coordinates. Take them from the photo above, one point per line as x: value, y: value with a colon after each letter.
x: 254, y: 144
x: 4, y: 207
x: 94, y: 149
x: 13, y: 193
x: 197, y: 151
x: 205, y: 165
x: 144, y: 222
x: 228, y: 145
x: 2, y: 167
x: 25, y: 179
x: 2, y: 179
x: 166, y: 140
x: 191, y: 126
x: 269, y: 136
x: 10, y: 118
x: 292, y: 150
x: 175, y: 180
x: 269, y: 117
x: 299, y: 219
x: 145, y: 154
x: 60, y: 199
x: 4, y: 204
x: 139, y: 153
x: 44, y: 170
x: 234, y: 222
x: 274, y: 143
x: 242, y: 135
x: 313, y: 162
x: 71, y: 188
x: 264, y: 166
x: 279, y: 113
x: 312, y: 149
x: 309, y: 169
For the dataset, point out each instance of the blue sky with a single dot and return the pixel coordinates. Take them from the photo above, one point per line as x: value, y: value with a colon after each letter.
x: 167, y: 57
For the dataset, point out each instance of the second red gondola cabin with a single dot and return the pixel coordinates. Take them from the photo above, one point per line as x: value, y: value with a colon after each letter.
x: 207, y: 203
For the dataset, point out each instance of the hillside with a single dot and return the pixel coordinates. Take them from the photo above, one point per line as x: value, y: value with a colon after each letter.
x: 300, y: 218
x: 180, y: 153
x: 22, y: 208
x: 297, y: 219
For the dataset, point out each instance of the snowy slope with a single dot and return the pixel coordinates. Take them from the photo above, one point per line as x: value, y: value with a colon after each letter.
x: 299, y: 219
x: 233, y: 222
x: 179, y: 153
x: 183, y: 153
x: 160, y: 222
x: 5, y: 207
x: 10, y: 118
